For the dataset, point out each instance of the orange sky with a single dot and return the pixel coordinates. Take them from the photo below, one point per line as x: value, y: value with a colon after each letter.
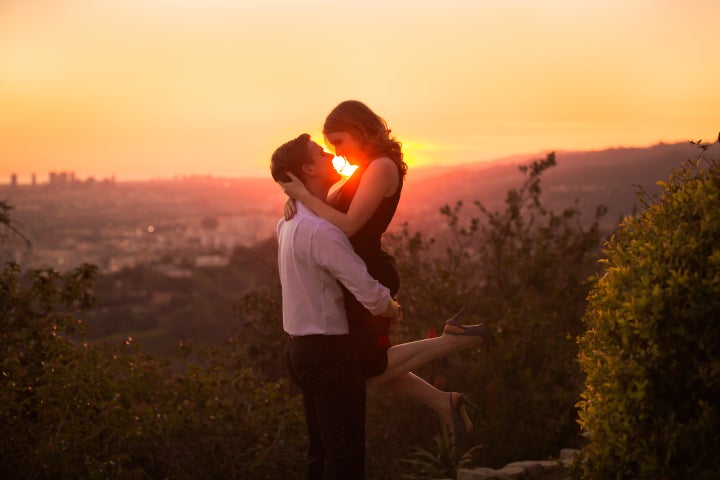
x: 159, y: 88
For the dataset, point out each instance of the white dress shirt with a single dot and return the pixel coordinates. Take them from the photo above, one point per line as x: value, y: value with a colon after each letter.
x: 313, y: 255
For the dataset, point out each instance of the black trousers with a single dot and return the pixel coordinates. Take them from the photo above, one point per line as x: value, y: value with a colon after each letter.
x: 333, y: 388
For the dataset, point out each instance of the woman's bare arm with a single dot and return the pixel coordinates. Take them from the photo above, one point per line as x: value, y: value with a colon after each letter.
x: 380, y: 180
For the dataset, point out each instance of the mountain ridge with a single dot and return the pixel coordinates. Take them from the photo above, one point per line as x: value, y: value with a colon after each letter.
x: 611, y: 177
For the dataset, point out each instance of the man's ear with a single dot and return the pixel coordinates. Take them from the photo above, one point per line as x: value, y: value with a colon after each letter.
x: 308, y: 169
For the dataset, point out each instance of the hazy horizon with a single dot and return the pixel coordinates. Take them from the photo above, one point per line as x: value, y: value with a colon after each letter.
x: 42, y: 177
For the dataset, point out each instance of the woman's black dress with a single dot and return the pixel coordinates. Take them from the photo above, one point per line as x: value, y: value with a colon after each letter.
x: 371, y: 333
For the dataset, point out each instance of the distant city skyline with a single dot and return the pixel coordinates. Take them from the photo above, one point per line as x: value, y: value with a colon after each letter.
x: 60, y: 177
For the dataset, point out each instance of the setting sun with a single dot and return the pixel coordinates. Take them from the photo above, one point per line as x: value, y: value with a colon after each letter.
x: 416, y: 153
x: 343, y: 166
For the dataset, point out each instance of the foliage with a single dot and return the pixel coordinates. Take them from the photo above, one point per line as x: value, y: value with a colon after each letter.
x: 7, y: 226
x: 73, y: 410
x: 652, y: 347
x: 173, y: 299
x: 262, y: 339
x: 522, y: 271
x: 441, y: 460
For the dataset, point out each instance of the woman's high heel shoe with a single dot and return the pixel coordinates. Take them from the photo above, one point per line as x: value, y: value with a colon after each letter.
x: 462, y: 425
x: 479, y: 330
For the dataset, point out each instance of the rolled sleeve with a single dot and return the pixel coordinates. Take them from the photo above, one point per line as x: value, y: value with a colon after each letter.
x: 334, y: 253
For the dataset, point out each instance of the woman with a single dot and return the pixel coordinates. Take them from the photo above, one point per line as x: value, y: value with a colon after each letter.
x: 363, y: 208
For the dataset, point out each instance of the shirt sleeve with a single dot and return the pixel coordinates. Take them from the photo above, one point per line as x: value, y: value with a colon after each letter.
x: 332, y: 251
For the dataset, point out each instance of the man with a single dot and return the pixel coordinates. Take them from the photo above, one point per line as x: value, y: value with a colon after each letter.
x: 313, y: 256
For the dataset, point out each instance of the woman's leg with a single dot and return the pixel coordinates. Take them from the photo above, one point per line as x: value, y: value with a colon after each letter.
x: 415, y: 388
x: 405, y: 357
x: 410, y: 356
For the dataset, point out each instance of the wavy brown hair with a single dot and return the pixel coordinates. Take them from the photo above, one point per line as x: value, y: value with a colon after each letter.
x: 369, y: 128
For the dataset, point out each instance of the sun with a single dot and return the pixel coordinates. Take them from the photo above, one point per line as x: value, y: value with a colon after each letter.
x: 412, y: 155
x: 413, y: 152
x: 343, y: 167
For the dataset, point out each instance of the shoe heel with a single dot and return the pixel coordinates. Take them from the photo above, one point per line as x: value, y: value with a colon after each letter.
x: 466, y: 419
x: 462, y: 425
x: 455, y: 319
x: 472, y: 404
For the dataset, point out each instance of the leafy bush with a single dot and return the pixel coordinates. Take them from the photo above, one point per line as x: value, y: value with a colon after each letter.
x: 73, y: 410
x: 441, y: 460
x: 523, y: 271
x: 652, y: 347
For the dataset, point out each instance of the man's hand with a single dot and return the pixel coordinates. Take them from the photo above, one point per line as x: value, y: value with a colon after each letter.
x: 393, y: 311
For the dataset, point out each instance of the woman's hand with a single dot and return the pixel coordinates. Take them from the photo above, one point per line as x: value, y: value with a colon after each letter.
x: 290, y: 209
x: 397, y: 319
x: 294, y: 188
x: 393, y: 311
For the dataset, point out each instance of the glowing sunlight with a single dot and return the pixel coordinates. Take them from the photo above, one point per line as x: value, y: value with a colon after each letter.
x: 343, y: 167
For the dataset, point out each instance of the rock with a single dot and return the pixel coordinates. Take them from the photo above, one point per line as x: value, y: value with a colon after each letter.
x: 479, y: 474
x: 568, y: 455
x: 525, y: 470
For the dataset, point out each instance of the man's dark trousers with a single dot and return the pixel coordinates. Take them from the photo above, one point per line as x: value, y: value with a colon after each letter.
x: 333, y: 388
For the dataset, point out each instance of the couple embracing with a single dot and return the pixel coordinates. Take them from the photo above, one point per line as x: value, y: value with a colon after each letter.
x: 338, y: 289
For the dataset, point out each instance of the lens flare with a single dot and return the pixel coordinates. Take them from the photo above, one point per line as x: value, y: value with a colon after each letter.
x: 343, y: 167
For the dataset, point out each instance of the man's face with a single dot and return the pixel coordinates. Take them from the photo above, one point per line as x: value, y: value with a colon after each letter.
x: 322, y: 164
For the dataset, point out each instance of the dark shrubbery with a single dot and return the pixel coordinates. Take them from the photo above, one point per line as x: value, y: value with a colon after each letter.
x: 652, y: 347
x: 73, y: 410
x: 523, y: 271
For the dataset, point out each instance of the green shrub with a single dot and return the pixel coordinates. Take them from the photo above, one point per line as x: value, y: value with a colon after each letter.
x: 652, y: 347
x: 73, y: 410
x: 523, y: 270
x: 441, y: 460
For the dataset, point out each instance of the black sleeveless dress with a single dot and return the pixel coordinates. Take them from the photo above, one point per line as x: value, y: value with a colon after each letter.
x: 370, y: 333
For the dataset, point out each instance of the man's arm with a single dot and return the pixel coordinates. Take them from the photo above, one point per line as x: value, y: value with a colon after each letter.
x: 332, y: 250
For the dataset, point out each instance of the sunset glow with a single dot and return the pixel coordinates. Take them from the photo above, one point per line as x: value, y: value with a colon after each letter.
x: 160, y: 88
x: 343, y: 167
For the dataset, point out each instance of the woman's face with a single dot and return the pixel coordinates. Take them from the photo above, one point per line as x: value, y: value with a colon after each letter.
x: 345, y: 144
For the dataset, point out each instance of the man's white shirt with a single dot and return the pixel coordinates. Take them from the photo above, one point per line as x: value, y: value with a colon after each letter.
x: 313, y: 255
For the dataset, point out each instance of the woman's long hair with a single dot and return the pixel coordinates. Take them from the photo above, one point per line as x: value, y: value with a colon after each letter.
x: 371, y: 130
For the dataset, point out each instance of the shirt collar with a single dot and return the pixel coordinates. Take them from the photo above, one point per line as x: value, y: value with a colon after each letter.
x: 302, y: 209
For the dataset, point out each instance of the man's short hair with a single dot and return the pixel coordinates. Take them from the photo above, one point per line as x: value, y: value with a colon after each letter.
x: 290, y: 157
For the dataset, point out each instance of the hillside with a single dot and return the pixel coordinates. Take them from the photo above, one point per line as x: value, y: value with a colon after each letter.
x: 609, y: 177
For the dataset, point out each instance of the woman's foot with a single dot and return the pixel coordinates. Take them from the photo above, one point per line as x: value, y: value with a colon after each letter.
x: 480, y: 331
x: 460, y: 424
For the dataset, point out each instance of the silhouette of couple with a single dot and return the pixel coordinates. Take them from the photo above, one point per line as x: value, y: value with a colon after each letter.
x: 338, y: 289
